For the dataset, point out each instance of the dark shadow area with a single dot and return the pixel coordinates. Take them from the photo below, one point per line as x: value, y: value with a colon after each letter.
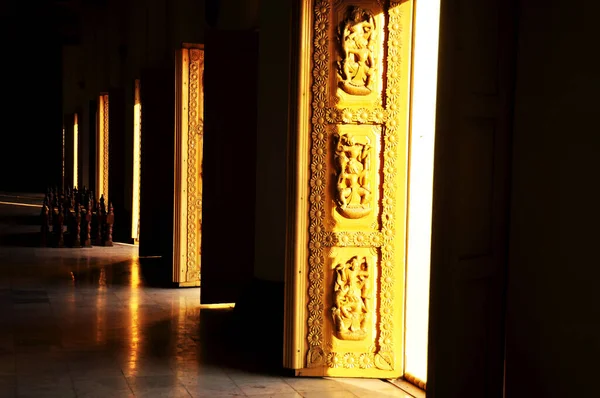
x: 255, y: 327
x: 21, y: 219
x: 238, y: 340
x: 19, y: 226
x: 28, y: 239
x: 156, y: 271
x: 220, y: 341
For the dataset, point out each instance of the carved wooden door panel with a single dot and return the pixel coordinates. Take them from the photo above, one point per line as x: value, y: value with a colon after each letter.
x: 348, y: 256
x: 102, y: 147
x: 189, y: 119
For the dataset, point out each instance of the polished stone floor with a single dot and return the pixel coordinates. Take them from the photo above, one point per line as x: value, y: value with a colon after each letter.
x: 85, y: 323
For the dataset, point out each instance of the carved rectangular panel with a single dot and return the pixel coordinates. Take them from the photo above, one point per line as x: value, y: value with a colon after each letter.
x: 188, y: 165
x: 349, y: 284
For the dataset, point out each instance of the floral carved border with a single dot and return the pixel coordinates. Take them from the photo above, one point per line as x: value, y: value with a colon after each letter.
x: 195, y: 132
x: 380, y: 356
x: 358, y: 116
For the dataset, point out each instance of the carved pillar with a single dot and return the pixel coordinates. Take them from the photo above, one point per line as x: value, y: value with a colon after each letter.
x: 189, y: 119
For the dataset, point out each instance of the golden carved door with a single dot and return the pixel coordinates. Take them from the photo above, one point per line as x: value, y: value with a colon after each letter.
x: 102, y: 147
x: 346, y: 255
x: 189, y: 120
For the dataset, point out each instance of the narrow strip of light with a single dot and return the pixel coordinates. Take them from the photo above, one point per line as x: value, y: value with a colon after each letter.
x: 423, y: 111
x: 19, y: 204
x: 75, y: 149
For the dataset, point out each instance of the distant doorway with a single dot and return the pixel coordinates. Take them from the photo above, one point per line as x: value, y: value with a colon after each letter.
x: 137, y: 169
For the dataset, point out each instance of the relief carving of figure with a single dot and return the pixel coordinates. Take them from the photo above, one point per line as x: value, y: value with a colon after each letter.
x: 351, y: 299
x: 356, y: 36
x: 353, y: 192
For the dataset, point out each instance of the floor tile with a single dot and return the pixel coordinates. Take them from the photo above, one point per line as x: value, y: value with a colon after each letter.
x: 328, y: 394
x: 313, y: 384
x: 251, y: 388
x: 107, y: 385
x: 140, y: 384
x: 164, y: 392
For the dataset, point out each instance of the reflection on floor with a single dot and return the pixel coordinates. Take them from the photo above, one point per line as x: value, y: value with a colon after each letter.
x: 85, y: 323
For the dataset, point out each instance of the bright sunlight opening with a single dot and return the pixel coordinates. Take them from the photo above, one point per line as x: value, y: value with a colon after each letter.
x: 425, y: 62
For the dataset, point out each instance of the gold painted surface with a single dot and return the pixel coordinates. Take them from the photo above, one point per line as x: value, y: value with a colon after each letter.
x: 353, y: 300
x: 102, y: 147
x: 188, y: 165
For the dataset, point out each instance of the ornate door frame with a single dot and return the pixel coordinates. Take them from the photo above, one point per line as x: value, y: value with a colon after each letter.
x: 345, y: 266
x: 189, y: 122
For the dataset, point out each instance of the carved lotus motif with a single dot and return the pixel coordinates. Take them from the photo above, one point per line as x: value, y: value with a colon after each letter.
x: 315, y: 305
x: 329, y: 239
x: 347, y: 116
x: 333, y: 115
x: 316, y: 276
x: 375, y: 239
x: 365, y: 361
x: 378, y: 116
x: 350, y: 360
x: 316, y: 197
x: 316, y: 260
x: 344, y: 239
x: 362, y: 115
x: 335, y: 360
x: 315, y: 321
x: 314, y: 338
x: 360, y: 238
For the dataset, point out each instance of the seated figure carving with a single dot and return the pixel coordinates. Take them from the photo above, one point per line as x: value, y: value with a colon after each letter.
x: 356, y: 35
x: 353, y: 193
x: 351, y: 299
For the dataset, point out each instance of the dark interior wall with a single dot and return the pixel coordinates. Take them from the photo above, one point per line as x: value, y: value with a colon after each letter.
x: 156, y: 204
x: 229, y: 179
x: 83, y: 116
x: 127, y: 188
x: 69, y: 154
x: 186, y: 20
x: 30, y: 153
x: 118, y: 170
x: 92, y: 112
x: 274, y: 84
x: 553, y: 349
